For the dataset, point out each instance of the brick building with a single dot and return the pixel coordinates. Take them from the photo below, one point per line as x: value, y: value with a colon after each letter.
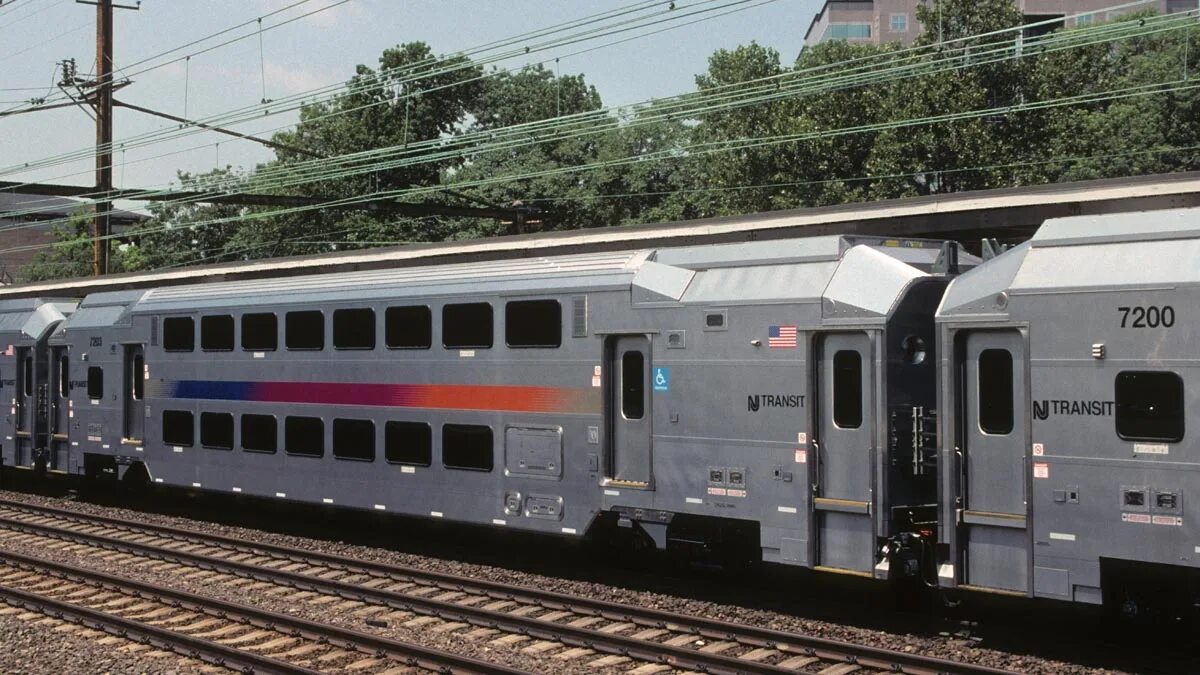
x: 18, y: 231
x: 879, y: 21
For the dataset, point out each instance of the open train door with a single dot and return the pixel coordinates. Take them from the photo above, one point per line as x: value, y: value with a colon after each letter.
x: 994, y: 481
x: 844, y: 453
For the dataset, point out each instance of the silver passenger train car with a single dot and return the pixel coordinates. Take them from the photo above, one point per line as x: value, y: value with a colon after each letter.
x: 838, y: 403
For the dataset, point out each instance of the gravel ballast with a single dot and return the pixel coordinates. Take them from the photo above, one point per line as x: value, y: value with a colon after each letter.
x: 966, y: 649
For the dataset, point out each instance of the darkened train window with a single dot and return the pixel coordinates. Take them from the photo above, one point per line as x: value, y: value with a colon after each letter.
x: 137, y: 377
x: 259, y: 433
x: 408, y: 443
x: 847, y: 389
x: 467, y: 326
x: 408, y: 327
x: 95, y: 386
x: 179, y: 334
x: 304, y: 436
x: 305, y: 330
x: 64, y: 376
x: 467, y: 446
x: 354, y: 329
x: 533, y: 323
x: 996, y: 391
x: 260, y: 332
x: 216, y: 333
x: 354, y: 439
x: 27, y: 374
x: 177, y: 427
x: 1149, y: 406
x: 633, y: 385
x: 216, y: 430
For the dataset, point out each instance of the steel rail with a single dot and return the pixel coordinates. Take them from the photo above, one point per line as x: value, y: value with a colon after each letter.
x: 791, y: 643
x: 409, y: 654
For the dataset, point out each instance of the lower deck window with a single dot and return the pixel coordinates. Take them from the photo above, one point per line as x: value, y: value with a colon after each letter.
x: 216, y: 430
x: 304, y: 436
x: 178, y: 427
x: 1149, y: 406
x: 467, y: 446
x: 408, y: 443
x: 354, y: 439
x: 259, y: 433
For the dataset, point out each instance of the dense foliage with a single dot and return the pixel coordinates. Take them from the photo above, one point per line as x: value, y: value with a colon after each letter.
x: 948, y: 125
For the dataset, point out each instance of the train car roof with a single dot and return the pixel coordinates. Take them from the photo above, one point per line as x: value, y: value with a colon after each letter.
x: 30, y: 318
x: 860, y: 276
x: 1120, y: 251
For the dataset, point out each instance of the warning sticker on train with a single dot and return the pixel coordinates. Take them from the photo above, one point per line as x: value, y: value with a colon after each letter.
x: 782, y: 337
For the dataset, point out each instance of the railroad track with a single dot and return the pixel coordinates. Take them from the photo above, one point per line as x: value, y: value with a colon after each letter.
x: 232, y: 635
x: 565, y: 626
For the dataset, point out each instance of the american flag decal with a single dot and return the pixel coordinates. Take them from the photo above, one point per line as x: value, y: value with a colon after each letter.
x: 782, y: 337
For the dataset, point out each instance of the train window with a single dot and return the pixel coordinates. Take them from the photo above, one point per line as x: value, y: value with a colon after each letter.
x: 1149, y: 406
x: 304, y: 436
x: 305, y: 330
x: 259, y: 433
x: 216, y: 333
x: 354, y: 329
x: 260, y: 332
x: 408, y: 443
x: 177, y: 427
x: 995, y: 391
x: 533, y: 323
x: 408, y: 327
x: 95, y: 383
x: 354, y: 439
x: 64, y: 376
x: 179, y: 334
x: 847, y: 389
x: 137, y: 377
x: 467, y: 446
x: 467, y: 326
x: 27, y: 374
x: 633, y: 385
x: 216, y: 430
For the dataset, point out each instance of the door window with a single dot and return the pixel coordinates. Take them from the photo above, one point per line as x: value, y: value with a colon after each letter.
x: 633, y: 385
x: 137, y: 376
x: 27, y: 367
x: 995, y: 393
x: 847, y: 389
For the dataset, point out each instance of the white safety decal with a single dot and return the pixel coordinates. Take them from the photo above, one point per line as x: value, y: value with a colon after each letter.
x: 694, y: 500
x: 787, y: 509
x: 1167, y: 520
x: 1039, y: 449
x: 1143, y: 518
x: 326, y: 500
x: 801, y: 456
x: 1041, y: 470
x: 568, y: 530
x: 802, y: 438
x: 1151, y: 449
x: 1062, y: 536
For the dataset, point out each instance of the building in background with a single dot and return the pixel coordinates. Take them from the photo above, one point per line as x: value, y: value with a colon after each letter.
x: 36, y: 227
x: 880, y: 21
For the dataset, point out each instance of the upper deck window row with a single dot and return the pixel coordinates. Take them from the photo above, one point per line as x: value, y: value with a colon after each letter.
x: 528, y: 324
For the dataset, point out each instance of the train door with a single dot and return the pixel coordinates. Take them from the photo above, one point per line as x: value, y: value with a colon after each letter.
x: 26, y: 405
x: 629, y: 410
x: 993, y: 481
x: 844, y: 452
x: 60, y: 406
x: 133, y: 393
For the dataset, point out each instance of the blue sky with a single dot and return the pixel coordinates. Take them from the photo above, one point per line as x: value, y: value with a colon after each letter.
x: 316, y: 51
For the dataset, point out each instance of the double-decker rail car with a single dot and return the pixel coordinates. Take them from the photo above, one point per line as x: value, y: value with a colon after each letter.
x: 1069, y: 377
x: 839, y: 403
x: 714, y: 397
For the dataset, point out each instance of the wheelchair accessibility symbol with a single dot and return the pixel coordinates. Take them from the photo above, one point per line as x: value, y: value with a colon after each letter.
x: 662, y: 379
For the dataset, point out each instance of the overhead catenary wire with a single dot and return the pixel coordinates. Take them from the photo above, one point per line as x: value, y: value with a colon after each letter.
x: 697, y: 150
x: 977, y: 58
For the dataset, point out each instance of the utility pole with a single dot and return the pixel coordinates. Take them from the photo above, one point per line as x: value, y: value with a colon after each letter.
x: 103, y: 101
